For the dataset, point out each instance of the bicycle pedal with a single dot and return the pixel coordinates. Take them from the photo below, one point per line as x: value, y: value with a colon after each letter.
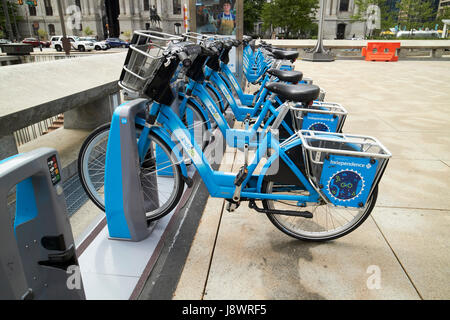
x: 231, y: 206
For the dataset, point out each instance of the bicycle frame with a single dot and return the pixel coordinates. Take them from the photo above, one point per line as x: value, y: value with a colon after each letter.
x: 234, y: 137
x: 221, y: 184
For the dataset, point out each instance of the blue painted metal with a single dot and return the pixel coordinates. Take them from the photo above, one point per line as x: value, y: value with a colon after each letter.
x: 114, y: 198
x: 26, y: 207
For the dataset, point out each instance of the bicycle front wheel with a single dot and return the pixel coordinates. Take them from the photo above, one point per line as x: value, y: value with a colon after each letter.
x: 329, y: 222
x: 160, y: 179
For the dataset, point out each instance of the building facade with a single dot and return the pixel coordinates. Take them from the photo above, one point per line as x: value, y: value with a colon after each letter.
x: 113, y: 18
x: 338, y: 23
x: 442, y: 5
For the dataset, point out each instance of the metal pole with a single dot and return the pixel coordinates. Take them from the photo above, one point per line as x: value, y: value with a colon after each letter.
x: 64, y: 40
x: 8, y: 21
x: 319, y: 53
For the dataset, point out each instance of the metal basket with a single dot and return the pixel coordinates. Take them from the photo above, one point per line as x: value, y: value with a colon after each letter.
x: 344, y: 168
x: 145, y: 57
x: 321, y: 116
x: 196, y: 37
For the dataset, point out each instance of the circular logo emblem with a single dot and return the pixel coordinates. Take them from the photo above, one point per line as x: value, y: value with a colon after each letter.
x: 346, y: 185
x: 319, y: 126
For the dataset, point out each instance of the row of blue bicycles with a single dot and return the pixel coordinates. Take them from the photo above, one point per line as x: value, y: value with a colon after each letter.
x: 310, y: 179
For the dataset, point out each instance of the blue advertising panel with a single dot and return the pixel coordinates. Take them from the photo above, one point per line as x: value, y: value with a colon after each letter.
x: 346, y: 181
x: 320, y: 122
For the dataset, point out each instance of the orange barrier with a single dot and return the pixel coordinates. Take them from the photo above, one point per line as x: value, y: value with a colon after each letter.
x: 381, y: 51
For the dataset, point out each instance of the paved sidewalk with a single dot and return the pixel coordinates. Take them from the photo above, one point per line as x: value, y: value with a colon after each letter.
x: 406, y: 105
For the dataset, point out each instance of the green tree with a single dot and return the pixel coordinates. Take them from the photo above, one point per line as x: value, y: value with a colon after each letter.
x: 42, y: 34
x: 88, y: 31
x: 415, y: 14
x: 127, y: 35
x: 13, y: 12
x: 252, y: 14
x: 293, y: 16
x: 388, y: 15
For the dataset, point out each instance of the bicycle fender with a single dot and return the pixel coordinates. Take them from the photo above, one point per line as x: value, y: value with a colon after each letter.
x: 164, y: 135
x: 202, y: 110
x: 209, y: 85
x: 198, y: 106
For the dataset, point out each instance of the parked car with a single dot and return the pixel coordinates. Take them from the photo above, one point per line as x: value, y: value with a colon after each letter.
x: 98, y: 45
x: 418, y: 34
x: 4, y: 41
x: 75, y: 42
x: 35, y: 43
x: 117, y: 43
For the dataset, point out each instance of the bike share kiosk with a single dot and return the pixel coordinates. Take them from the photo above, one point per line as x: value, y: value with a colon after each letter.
x: 36, y: 250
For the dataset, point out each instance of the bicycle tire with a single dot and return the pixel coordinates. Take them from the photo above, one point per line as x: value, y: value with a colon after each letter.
x: 278, y: 223
x: 87, y: 186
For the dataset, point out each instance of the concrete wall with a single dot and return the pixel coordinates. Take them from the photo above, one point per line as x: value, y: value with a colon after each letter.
x: 82, y: 88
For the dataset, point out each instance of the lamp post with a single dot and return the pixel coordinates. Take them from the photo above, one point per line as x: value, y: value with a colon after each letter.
x: 319, y: 53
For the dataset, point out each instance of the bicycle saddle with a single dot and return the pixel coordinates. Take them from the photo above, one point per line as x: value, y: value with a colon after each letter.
x: 285, y: 75
x: 284, y: 54
x: 295, y: 93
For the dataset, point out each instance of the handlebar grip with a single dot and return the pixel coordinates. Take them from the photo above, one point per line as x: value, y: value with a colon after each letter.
x: 184, y: 58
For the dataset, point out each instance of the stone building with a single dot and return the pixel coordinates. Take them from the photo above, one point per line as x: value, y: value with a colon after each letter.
x: 338, y: 23
x: 105, y: 17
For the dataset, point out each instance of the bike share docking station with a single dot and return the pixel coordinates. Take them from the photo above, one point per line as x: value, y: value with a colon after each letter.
x: 38, y: 249
x: 127, y: 196
x: 124, y: 200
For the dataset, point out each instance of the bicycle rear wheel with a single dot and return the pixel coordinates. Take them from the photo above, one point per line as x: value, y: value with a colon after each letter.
x: 165, y: 177
x: 329, y: 222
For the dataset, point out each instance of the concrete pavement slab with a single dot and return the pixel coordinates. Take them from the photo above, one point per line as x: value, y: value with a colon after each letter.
x: 361, y: 122
x: 417, y: 121
x: 254, y: 260
x: 414, y: 145
x: 195, y: 273
x: 192, y: 282
x: 415, y: 184
x: 421, y: 241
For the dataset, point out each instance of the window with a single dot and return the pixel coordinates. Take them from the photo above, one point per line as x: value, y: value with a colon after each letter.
x: 51, y: 29
x: 146, y: 5
x: 32, y: 10
x: 176, y: 6
x: 343, y: 5
x: 48, y: 8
